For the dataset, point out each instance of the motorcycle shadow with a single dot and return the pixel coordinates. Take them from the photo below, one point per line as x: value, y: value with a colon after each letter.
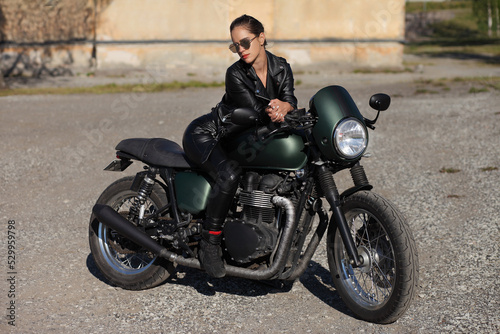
x: 316, y: 280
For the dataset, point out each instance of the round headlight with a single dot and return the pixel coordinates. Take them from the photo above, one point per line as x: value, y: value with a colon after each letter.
x: 350, y: 138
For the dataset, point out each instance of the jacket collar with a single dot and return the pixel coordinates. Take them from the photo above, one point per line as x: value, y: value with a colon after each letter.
x: 274, y: 66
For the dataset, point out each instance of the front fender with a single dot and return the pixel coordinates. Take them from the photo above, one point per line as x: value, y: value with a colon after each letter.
x: 348, y: 192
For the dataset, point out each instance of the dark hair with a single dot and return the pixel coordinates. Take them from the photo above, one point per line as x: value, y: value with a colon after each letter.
x: 250, y: 23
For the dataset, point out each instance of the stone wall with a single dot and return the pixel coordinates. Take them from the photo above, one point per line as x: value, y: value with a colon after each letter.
x: 35, y: 21
x: 45, y: 37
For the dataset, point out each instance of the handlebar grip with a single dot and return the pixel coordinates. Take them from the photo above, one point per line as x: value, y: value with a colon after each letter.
x: 296, y: 114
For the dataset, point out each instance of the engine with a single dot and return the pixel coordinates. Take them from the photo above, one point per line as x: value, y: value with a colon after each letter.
x: 254, y: 233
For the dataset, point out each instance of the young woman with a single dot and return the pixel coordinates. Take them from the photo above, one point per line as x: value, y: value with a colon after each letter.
x: 258, y: 80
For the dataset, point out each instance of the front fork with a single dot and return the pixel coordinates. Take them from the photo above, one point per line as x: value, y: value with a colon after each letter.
x: 335, y: 200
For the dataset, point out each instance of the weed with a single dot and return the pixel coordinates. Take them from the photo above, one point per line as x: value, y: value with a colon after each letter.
x: 112, y: 88
x: 382, y: 70
x: 449, y: 170
x: 489, y: 169
x: 459, y: 35
x: 474, y: 90
x: 425, y: 91
x: 485, y: 82
x: 424, y: 81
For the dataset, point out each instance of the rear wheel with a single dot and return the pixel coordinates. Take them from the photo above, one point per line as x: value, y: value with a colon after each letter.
x: 121, y: 261
x: 381, y: 289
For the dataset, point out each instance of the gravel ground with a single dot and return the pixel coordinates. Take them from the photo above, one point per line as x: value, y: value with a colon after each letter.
x: 55, y: 147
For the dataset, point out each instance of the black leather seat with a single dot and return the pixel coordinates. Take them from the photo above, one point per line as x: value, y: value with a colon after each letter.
x: 155, y: 151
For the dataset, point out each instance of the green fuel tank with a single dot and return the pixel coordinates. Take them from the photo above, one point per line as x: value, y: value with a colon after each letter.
x: 281, y: 151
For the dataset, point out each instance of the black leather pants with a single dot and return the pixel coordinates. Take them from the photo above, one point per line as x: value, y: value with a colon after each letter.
x: 202, y: 147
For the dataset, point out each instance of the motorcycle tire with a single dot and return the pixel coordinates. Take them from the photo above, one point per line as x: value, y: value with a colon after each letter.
x: 122, y: 262
x: 382, y: 288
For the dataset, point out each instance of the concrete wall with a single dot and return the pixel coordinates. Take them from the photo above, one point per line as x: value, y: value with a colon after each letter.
x: 198, y: 20
x: 194, y: 33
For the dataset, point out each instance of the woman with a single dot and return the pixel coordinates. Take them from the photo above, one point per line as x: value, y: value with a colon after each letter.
x: 259, y: 80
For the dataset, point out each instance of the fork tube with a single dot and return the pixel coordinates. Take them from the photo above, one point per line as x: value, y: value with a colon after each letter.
x: 332, y: 196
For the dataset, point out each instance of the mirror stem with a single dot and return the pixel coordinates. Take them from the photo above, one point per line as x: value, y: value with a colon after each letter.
x: 370, y: 123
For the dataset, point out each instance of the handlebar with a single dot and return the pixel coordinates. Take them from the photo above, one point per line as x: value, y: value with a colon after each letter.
x: 297, y: 119
x: 300, y: 119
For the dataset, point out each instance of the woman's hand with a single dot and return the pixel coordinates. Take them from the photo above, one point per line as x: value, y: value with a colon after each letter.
x: 277, y: 110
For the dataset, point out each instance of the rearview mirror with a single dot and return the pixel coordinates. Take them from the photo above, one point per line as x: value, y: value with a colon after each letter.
x: 380, y: 101
x: 244, y: 116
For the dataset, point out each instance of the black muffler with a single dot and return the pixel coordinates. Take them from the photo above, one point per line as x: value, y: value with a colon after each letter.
x: 114, y: 220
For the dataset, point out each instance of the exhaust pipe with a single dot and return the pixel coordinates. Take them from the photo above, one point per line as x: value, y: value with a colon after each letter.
x: 114, y: 220
x: 109, y: 217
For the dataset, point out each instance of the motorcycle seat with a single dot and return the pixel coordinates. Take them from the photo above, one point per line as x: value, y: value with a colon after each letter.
x: 155, y: 151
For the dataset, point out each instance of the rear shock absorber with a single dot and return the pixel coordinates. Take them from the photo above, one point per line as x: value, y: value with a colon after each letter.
x: 145, y: 189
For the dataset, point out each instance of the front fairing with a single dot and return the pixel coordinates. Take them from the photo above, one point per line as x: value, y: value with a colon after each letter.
x: 331, y: 105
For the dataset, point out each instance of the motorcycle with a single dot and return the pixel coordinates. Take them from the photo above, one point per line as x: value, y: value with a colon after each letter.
x: 142, y: 226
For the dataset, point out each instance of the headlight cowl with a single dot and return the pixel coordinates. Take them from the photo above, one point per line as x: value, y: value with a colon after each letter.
x: 350, y: 138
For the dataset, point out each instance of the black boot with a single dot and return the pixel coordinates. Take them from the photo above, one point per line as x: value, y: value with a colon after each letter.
x: 221, y: 196
x: 210, y: 254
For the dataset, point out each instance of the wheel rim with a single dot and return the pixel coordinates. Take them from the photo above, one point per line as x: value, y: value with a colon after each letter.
x: 127, y: 263
x: 371, y: 284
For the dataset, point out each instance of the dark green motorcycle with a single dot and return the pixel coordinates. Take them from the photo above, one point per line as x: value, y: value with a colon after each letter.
x: 142, y: 226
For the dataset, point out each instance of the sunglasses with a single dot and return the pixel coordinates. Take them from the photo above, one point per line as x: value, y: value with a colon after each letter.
x: 245, y: 44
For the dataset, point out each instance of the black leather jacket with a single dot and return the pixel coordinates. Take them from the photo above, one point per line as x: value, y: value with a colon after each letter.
x: 243, y: 88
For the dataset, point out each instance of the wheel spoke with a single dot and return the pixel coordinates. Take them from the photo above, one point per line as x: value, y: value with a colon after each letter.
x: 120, y: 257
x: 372, y: 284
x: 378, y: 289
x: 381, y: 274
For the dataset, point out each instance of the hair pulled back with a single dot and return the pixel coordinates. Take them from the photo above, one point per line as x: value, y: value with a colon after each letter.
x: 250, y: 23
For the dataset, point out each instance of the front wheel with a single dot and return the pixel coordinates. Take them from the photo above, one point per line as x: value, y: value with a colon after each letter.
x: 381, y: 289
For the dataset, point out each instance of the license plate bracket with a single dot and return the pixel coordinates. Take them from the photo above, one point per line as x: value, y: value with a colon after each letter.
x: 118, y: 165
